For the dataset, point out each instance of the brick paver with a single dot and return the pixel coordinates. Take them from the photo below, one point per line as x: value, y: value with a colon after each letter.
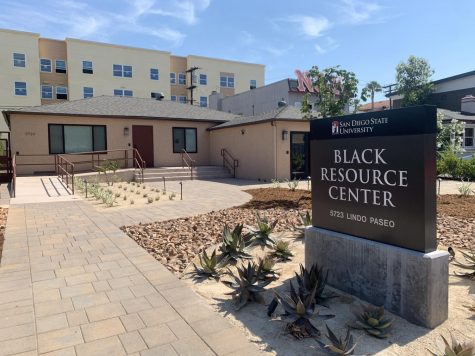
x: 72, y: 283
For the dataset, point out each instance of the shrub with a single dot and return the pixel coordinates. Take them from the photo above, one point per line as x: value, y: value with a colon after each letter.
x: 157, y: 198
x: 150, y: 200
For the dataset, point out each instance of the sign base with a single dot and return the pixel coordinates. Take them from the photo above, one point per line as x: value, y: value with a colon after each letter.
x: 411, y: 284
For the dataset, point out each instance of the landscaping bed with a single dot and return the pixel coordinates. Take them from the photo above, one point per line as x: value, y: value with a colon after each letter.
x: 3, y: 224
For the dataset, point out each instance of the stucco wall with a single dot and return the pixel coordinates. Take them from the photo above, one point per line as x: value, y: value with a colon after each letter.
x: 261, y: 152
x: 19, y: 42
x: 29, y: 135
x: 53, y: 50
x: 103, y: 56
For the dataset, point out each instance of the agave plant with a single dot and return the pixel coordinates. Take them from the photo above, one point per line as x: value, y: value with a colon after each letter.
x: 339, y: 345
x: 209, y: 266
x: 261, y: 235
x: 281, y: 251
x: 266, y: 268
x: 454, y: 348
x: 234, y: 243
x: 315, y: 277
x: 371, y: 319
x: 301, y: 306
x: 469, y: 265
x: 305, y: 220
x: 246, y: 285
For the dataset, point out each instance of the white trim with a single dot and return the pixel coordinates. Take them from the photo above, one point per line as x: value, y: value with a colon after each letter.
x: 14, y: 88
x: 13, y: 59
x: 65, y: 65
x: 50, y: 65
x: 174, y: 74
x: 41, y: 91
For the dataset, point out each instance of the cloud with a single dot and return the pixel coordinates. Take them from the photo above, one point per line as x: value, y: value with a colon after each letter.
x: 328, y: 44
x: 358, y: 11
x: 310, y: 26
x: 185, y: 11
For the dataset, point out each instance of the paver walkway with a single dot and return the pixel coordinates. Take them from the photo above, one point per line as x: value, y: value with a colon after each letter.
x: 71, y: 283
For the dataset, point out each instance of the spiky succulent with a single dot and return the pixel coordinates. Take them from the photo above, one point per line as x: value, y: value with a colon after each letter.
x: 266, y: 268
x: 469, y: 265
x: 315, y: 277
x: 300, y: 306
x: 281, y: 251
x: 454, y: 348
x: 371, y: 319
x: 209, y: 266
x: 305, y: 219
x: 234, y: 243
x: 246, y: 285
x: 339, y: 345
x: 261, y: 234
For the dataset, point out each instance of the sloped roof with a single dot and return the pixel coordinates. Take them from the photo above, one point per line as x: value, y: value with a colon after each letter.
x: 285, y: 113
x: 115, y: 106
x: 449, y: 115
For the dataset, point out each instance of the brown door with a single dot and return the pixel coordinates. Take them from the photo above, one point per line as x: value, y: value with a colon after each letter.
x: 142, y: 138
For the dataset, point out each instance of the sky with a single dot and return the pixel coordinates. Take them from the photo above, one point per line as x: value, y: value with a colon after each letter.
x: 368, y: 38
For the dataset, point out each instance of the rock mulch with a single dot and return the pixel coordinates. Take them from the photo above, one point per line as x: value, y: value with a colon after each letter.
x: 3, y: 224
x: 456, y: 232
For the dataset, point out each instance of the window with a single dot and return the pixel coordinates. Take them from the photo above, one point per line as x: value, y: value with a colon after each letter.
x: 60, y: 66
x: 203, y: 79
x: 20, y: 88
x: 181, y: 78
x: 468, y: 137
x: 172, y: 78
x: 123, y: 92
x: 253, y: 84
x: 203, y: 101
x: 45, y: 65
x: 62, y: 93
x: 87, y: 67
x: 184, y: 139
x: 19, y: 60
x: 76, y: 138
x: 154, y: 74
x: 226, y: 82
x: 46, y: 92
x: 88, y: 92
x: 182, y: 99
x: 120, y: 70
x: 173, y: 98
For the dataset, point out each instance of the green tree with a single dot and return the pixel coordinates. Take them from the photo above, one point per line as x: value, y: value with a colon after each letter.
x: 413, y: 80
x: 306, y: 108
x: 369, y: 90
x: 335, y: 89
x: 449, y: 135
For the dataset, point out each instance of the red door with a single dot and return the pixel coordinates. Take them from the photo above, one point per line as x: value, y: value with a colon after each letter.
x: 142, y: 138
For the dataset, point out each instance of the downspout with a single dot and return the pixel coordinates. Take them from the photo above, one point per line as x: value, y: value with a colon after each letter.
x: 273, y: 123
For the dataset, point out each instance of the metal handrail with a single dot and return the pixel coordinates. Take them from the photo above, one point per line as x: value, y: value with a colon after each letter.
x: 139, y: 162
x: 188, y: 161
x: 231, y: 162
x: 62, y: 171
x: 13, y: 184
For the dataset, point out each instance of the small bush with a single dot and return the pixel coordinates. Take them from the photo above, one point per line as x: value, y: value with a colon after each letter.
x: 145, y: 195
x: 172, y: 196
x: 137, y: 192
x: 117, y: 195
x: 125, y: 189
x: 132, y: 201
x: 125, y: 197
x: 150, y: 200
x: 144, y: 187
x: 465, y: 189
x: 157, y: 198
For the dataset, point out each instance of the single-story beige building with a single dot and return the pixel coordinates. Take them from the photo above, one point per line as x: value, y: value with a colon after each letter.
x: 265, y: 147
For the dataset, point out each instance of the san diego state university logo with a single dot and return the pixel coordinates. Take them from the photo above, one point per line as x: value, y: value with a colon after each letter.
x: 335, y: 127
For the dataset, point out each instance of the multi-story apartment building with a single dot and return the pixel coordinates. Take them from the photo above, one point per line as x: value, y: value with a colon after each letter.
x: 35, y: 71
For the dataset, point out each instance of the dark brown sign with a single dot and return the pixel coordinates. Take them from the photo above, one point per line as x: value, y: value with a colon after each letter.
x: 374, y: 176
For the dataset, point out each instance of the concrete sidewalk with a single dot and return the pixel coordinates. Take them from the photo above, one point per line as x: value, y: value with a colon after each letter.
x: 71, y: 283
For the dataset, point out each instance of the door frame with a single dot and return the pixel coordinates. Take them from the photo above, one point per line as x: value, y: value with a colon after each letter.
x: 153, y: 147
x: 307, y: 162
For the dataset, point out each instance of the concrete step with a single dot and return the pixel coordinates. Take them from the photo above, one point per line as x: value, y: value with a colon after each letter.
x: 178, y: 173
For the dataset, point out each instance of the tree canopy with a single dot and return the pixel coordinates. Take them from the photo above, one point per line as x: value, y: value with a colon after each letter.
x: 413, y: 80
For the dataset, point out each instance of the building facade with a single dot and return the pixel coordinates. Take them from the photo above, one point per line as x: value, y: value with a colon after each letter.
x: 43, y: 71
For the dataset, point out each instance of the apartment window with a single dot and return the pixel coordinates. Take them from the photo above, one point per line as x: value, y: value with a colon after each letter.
x: 172, y: 78
x: 203, y: 101
x: 468, y: 137
x: 45, y: 65
x: 76, y: 138
x: 182, y: 99
x: 60, y: 66
x: 203, y: 79
x: 181, y: 78
x: 46, y: 92
x: 87, y: 67
x: 19, y: 60
x: 120, y: 70
x: 184, y: 139
x: 154, y: 74
x: 123, y: 92
x: 173, y: 98
x: 20, y: 88
x: 88, y: 92
x: 252, y: 84
x: 226, y: 82
x: 62, y: 93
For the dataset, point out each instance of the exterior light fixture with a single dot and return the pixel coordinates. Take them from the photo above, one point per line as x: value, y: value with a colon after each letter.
x: 285, y: 135
x: 243, y: 131
x: 126, y: 131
